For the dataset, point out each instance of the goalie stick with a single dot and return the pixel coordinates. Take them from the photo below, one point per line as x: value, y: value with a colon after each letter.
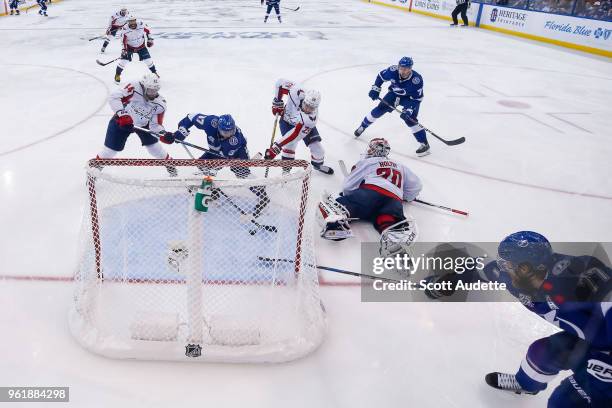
x: 330, y: 269
x: 106, y: 63
x: 442, y: 207
x: 446, y: 142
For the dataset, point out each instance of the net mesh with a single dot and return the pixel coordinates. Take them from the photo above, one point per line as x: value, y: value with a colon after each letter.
x: 233, y: 280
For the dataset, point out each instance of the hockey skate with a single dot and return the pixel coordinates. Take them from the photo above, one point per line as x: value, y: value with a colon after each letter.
x: 359, y: 131
x: 322, y: 168
x: 423, y: 150
x: 506, y: 382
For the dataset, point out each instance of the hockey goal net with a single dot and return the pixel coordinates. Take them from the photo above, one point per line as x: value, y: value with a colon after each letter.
x: 215, y: 264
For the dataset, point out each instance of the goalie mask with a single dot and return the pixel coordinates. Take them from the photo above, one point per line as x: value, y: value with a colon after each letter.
x: 150, y: 84
x: 378, y: 147
x: 398, y: 238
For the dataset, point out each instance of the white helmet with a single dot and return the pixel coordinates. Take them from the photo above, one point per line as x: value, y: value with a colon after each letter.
x: 151, y: 85
x: 124, y: 11
x: 312, y: 99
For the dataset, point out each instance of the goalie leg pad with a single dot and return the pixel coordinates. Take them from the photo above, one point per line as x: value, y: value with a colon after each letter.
x: 398, y: 238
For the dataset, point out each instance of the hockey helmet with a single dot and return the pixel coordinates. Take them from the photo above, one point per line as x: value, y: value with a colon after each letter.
x: 524, y: 255
x: 226, y: 126
x: 151, y: 86
x: 311, y: 101
x: 405, y: 62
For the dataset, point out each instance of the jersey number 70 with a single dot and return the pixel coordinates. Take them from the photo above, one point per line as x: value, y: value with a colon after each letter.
x: 393, y: 175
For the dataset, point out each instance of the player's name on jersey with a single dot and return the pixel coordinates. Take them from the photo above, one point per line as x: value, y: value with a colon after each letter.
x: 423, y: 284
x: 228, y: 35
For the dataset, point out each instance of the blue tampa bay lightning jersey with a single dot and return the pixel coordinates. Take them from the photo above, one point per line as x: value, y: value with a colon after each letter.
x: 572, y: 297
x: 234, y: 147
x: 411, y: 87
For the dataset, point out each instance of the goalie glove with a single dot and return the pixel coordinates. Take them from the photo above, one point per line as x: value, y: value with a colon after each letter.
x: 272, y: 152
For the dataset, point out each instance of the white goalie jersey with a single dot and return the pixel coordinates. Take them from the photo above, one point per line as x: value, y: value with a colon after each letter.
x: 385, y: 176
x: 144, y: 112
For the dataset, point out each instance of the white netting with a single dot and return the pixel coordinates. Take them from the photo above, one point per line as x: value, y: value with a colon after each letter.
x: 158, y: 279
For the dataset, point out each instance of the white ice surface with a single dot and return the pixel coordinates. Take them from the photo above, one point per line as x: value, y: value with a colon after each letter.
x: 537, y: 120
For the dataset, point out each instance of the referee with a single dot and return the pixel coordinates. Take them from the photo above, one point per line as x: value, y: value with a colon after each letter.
x: 462, y: 7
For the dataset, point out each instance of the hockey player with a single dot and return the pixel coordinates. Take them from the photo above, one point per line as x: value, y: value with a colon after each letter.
x: 373, y: 191
x: 225, y: 141
x: 405, y: 90
x: 136, y: 38
x: 272, y: 4
x: 14, y: 6
x: 137, y: 104
x: 298, y: 122
x: 117, y: 21
x: 43, y: 7
x: 574, y: 294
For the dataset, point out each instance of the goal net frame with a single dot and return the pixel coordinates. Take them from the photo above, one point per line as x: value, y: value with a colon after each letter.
x: 191, y: 334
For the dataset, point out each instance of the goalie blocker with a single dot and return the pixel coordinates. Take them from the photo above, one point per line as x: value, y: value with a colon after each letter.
x: 373, y: 191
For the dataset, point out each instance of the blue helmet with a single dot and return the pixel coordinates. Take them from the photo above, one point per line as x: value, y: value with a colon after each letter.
x: 405, y: 62
x: 524, y: 247
x: 226, y: 126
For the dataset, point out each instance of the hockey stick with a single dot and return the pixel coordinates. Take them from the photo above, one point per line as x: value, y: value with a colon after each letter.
x: 277, y: 116
x: 446, y: 142
x: 95, y: 38
x: 270, y: 228
x: 416, y: 200
x: 330, y: 269
x: 287, y: 8
x: 106, y: 63
x: 181, y: 142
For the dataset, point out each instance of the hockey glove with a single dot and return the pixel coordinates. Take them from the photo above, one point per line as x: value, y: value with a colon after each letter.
x: 124, y: 54
x: 124, y: 119
x: 166, y: 137
x: 278, y: 107
x: 272, y: 152
x: 374, y: 92
x: 181, y: 133
x: 150, y: 43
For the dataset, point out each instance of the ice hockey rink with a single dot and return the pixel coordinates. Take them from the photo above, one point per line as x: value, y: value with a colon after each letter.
x: 537, y: 121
